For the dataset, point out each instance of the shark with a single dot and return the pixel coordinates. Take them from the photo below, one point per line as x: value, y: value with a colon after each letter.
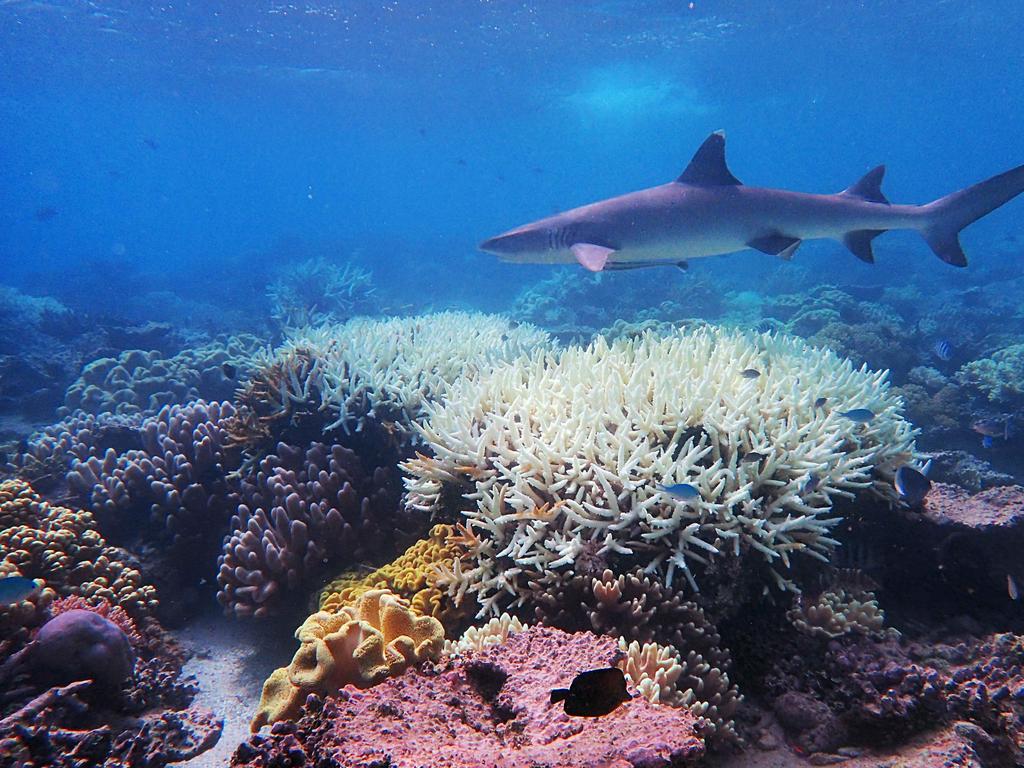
x: 707, y: 211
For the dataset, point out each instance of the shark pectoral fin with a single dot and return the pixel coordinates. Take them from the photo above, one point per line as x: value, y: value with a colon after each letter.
x: 859, y: 243
x: 590, y: 256
x: 776, y: 245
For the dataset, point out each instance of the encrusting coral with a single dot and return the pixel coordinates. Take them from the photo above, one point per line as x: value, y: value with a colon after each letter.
x: 360, y: 645
x: 413, y: 575
x: 488, y: 708
x: 549, y: 456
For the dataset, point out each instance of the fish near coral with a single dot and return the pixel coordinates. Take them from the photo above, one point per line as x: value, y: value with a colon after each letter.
x: 707, y: 211
x: 14, y: 589
x: 593, y: 693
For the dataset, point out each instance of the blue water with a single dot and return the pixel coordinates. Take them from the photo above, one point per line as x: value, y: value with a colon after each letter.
x: 197, y: 147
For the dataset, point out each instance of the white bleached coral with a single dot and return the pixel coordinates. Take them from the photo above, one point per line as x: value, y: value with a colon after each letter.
x: 556, y: 453
x: 390, y: 369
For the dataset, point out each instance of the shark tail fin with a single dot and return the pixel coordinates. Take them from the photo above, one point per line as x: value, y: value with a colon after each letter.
x: 948, y: 215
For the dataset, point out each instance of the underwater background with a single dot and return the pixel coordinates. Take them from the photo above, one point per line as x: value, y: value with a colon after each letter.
x: 250, y: 354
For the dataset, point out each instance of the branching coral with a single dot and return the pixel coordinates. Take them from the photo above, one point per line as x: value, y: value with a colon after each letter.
x: 361, y: 645
x: 999, y: 377
x: 303, y: 512
x: 557, y: 453
x: 386, y: 371
x: 317, y: 290
x: 836, y: 612
x: 176, y: 481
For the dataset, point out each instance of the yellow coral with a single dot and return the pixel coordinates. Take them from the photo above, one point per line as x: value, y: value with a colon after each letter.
x: 413, y: 576
x: 358, y: 645
x: 62, y: 548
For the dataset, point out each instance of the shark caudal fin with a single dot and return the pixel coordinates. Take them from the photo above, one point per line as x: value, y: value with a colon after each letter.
x: 948, y: 215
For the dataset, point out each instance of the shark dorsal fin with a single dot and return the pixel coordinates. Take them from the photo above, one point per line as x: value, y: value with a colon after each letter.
x: 869, y: 187
x: 708, y: 168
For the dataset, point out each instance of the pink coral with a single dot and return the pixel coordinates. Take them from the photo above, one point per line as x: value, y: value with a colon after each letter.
x: 489, y: 708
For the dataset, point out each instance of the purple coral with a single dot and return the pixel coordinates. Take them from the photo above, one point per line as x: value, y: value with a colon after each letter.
x: 303, y: 511
x: 81, y: 645
x: 177, y: 477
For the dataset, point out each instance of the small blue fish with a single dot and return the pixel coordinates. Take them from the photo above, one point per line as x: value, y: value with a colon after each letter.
x: 943, y: 350
x: 811, y: 483
x: 820, y: 402
x: 987, y: 441
x: 750, y: 373
x: 14, y: 589
x: 911, y: 485
x: 859, y: 415
x: 683, y: 491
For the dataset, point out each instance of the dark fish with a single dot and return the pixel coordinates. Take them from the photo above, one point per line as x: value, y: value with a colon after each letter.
x: 751, y: 456
x: 23, y: 446
x: 820, y: 402
x: 229, y: 370
x: 811, y: 483
x: 151, y: 143
x: 46, y: 213
x: 593, y: 693
x: 765, y: 326
x: 14, y: 589
x: 461, y: 161
x: 750, y: 373
x: 859, y: 415
x: 422, y: 132
x: 943, y: 350
x: 681, y: 491
x: 911, y: 485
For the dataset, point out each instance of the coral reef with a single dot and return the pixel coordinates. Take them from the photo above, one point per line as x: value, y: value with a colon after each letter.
x: 999, y: 377
x: 360, y: 645
x: 102, y: 716
x: 413, y: 575
x: 552, y: 456
x: 383, y: 371
x: 316, y: 291
x: 493, y: 703
x: 836, y: 612
x: 170, y: 499
x: 63, y: 548
x: 137, y: 381
x: 305, y: 512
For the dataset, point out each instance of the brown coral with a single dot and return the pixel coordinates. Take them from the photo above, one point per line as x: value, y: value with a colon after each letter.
x: 63, y: 548
x: 360, y: 645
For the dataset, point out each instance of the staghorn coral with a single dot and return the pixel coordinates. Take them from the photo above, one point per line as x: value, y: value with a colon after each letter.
x: 413, y: 575
x: 316, y: 291
x: 476, y: 639
x: 304, y: 512
x: 836, y: 612
x: 361, y: 645
x: 550, y: 455
x: 172, y: 490
x: 143, y: 382
x: 382, y: 371
x: 492, y: 706
x: 63, y: 548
